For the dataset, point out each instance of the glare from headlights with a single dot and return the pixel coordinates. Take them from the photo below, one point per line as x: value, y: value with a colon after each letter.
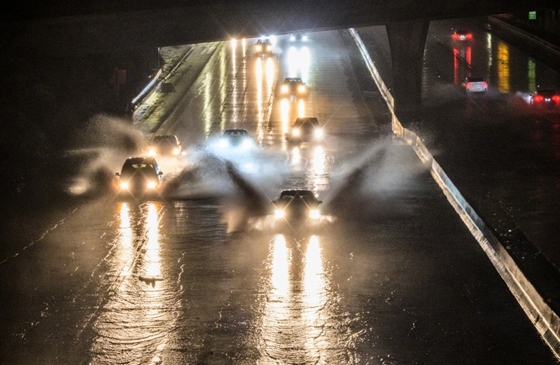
x: 295, y: 132
x: 318, y: 133
x: 176, y: 151
x: 301, y: 88
x: 284, y: 88
x: 314, y: 213
x: 123, y: 184
x: 292, y: 37
x: 268, y: 48
x: 247, y: 143
x: 259, y: 48
x: 223, y: 143
x: 152, y: 184
x: 304, y: 38
x: 152, y: 152
x: 279, y: 213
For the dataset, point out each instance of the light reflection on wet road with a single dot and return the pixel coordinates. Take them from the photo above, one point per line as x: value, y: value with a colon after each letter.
x: 163, y: 282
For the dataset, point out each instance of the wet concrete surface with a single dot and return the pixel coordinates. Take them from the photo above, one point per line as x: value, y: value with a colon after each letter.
x: 394, y: 278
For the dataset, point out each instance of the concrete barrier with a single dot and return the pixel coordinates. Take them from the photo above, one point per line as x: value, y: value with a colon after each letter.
x: 545, y: 320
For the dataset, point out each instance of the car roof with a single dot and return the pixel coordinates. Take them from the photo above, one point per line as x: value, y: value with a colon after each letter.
x: 475, y: 78
x: 166, y: 137
x: 265, y: 40
x: 462, y: 31
x: 143, y: 159
x: 293, y: 79
x: 310, y: 120
x: 545, y: 91
x: 297, y: 192
x: 236, y: 131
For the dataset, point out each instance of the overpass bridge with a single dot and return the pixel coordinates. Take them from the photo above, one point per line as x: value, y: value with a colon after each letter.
x: 101, y: 27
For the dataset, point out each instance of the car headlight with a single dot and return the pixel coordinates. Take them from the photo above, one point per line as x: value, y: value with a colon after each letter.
x: 301, y: 89
x: 152, y: 152
x: 295, y: 132
x: 279, y: 213
x: 292, y: 37
x: 318, y: 133
x: 314, y: 213
x: 176, y: 151
x: 246, y: 144
x: 269, y: 48
x: 223, y: 143
x: 304, y: 38
x: 152, y: 184
x: 123, y: 184
x: 259, y: 48
x: 284, y: 88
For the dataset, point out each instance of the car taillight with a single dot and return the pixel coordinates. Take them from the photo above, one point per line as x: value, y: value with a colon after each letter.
x: 538, y: 98
x: 468, y: 85
x: 556, y: 98
x: 455, y: 36
x: 469, y: 36
x: 485, y: 84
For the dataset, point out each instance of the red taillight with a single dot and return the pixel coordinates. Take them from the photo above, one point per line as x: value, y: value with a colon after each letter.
x: 455, y: 36
x: 485, y: 84
x: 469, y: 36
x: 556, y: 98
x: 538, y: 98
x: 468, y: 85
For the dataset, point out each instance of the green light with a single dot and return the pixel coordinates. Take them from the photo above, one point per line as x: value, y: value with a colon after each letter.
x: 532, y: 15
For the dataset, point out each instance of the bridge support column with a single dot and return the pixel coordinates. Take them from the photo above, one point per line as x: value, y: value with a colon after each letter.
x: 406, y: 41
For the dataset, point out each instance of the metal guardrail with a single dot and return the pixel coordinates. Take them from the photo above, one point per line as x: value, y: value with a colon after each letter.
x: 156, y: 80
x: 545, y: 320
x: 551, y: 48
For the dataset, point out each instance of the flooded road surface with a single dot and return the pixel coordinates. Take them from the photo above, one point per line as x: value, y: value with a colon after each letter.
x: 388, y: 274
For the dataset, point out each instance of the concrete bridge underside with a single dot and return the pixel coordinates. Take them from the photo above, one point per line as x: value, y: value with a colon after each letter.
x: 107, y: 26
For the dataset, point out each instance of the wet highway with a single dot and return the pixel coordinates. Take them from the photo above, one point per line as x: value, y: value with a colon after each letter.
x: 388, y: 275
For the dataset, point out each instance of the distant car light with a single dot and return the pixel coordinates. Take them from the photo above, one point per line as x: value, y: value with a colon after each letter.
x: 304, y: 38
x: 176, y: 151
x: 152, y: 152
x: 279, y: 213
x: 314, y: 213
x: 284, y: 88
x: 152, y: 184
x: 318, y: 133
x: 295, y: 132
x: 124, y: 185
x: 259, y: 48
x: 301, y: 88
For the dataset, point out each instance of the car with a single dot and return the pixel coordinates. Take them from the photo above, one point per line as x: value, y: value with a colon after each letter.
x: 237, y: 138
x: 297, y: 204
x: 461, y: 35
x: 305, y: 129
x: 475, y: 84
x: 264, y: 47
x: 294, y: 86
x: 165, y: 145
x: 545, y: 98
x: 298, y: 37
x: 139, y: 177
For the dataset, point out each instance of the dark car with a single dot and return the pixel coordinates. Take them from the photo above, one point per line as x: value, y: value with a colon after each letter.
x: 165, y: 145
x: 299, y: 37
x: 461, y: 35
x: 294, y: 86
x: 305, y: 129
x: 546, y: 98
x: 139, y: 177
x: 238, y: 138
x: 297, y: 204
x: 264, y: 47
